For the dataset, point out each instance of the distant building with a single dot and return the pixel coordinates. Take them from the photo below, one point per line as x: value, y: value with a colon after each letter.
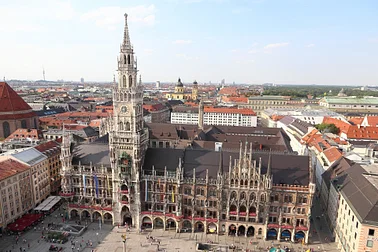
x: 270, y: 117
x: 157, y: 84
x: 14, y: 112
x: 341, y: 104
x: 158, y: 111
x: 214, y: 116
x: 181, y: 94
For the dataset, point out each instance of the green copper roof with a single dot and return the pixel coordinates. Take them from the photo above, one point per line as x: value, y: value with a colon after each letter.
x: 351, y: 100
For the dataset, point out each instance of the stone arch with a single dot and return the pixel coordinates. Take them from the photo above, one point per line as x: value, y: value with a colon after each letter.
x: 128, y: 59
x: 96, y: 215
x: 186, y: 224
x: 233, y: 208
x: 158, y: 223
x: 241, y: 230
x: 124, y: 187
x: 199, y: 226
x: 252, y: 197
x: 108, y: 217
x: 232, y: 229
x: 242, y: 209
x: 262, y: 197
x: 124, y: 198
x: 130, y: 80
x: 243, y: 196
x: 285, y: 234
x: 232, y: 182
x: 127, y: 126
x: 241, y: 182
x: 252, y: 210
x: 250, y: 231
x: 171, y: 224
x: 23, y: 124
x: 236, y: 182
x: 300, y: 235
x: 85, y: 214
x: 233, y: 195
x: 124, y: 59
x: 212, y: 228
x: 271, y: 234
x: 6, y: 129
x: 121, y: 126
x: 126, y: 216
x: 246, y: 182
x: 74, y: 214
x: 124, y: 81
x: 259, y: 232
x: 146, y: 222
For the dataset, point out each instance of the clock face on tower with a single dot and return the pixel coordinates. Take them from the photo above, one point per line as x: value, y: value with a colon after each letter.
x: 123, y: 109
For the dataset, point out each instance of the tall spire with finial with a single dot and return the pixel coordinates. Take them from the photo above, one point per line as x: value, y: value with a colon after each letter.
x: 269, y: 170
x: 220, y: 169
x: 126, y: 37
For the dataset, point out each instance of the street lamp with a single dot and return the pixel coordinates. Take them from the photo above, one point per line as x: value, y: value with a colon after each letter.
x: 97, y: 238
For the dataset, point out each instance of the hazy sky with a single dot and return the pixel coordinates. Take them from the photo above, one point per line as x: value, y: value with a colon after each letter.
x: 246, y: 41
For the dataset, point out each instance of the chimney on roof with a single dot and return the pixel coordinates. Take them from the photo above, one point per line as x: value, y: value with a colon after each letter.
x: 358, y: 126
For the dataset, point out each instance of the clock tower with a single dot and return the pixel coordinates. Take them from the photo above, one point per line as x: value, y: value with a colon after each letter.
x: 128, y: 138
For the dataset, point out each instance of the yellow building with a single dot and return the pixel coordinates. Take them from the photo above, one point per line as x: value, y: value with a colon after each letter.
x: 180, y: 94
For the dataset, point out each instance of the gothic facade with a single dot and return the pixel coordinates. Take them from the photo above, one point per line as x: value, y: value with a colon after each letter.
x: 118, y: 179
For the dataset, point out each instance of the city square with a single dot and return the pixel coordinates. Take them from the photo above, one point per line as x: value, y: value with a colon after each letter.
x: 109, y: 238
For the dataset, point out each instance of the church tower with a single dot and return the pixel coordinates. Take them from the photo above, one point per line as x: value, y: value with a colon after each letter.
x: 128, y: 138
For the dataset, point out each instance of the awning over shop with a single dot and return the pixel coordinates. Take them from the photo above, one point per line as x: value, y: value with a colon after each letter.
x: 48, y: 203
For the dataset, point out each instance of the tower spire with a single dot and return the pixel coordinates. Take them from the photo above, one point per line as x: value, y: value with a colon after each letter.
x: 126, y: 37
x: 269, y: 170
x: 220, y: 170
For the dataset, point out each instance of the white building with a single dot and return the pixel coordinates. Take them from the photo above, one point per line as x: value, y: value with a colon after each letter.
x: 214, y: 116
x: 269, y: 117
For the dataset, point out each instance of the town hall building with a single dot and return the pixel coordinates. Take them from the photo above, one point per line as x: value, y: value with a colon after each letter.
x: 121, y: 178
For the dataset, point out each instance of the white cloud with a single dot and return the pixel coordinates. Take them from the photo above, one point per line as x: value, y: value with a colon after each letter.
x: 276, y: 45
x: 234, y: 50
x: 254, y: 44
x: 186, y: 57
x: 310, y: 45
x: 31, y: 17
x: 253, y: 51
x: 110, y: 16
x: 148, y: 51
x: 182, y: 42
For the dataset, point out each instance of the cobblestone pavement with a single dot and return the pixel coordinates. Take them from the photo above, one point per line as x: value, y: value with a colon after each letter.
x: 108, y: 239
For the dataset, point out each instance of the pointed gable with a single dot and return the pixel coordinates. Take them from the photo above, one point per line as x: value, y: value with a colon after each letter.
x: 10, y: 101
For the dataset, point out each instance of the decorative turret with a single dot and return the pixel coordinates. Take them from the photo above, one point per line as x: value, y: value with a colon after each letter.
x: 195, y: 91
x: 200, y: 115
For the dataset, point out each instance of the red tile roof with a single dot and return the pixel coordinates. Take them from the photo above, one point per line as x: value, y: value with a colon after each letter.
x: 48, y: 146
x: 332, y: 154
x: 10, y: 101
x: 25, y: 133
x: 228, y: 91
x: 154, y: 107
x: 343, y: 126
x: 11, y: 167
x: 357, y: 132
x: 372, y: 121
x: 356, y: 120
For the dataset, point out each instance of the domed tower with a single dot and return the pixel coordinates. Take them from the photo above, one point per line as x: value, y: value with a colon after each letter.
x: 179, y: 87
x: 195, y: 90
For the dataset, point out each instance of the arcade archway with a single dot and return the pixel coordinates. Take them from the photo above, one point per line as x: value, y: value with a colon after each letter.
x: 158, y: 223
x: 241, y: 230
x: 232, y: 230
x: 250, y: 231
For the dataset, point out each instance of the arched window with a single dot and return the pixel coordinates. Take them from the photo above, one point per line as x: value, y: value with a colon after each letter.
x: 124, y: 81
x: 6, y: 129
x: 127, y: 126
x: 242, y: 195
x: 23, y: 124
x: 124, y: 59
x: 262, y: 198
x: 233, y: 195
x: 130, y: 81
x: 252, y: 197
x: 128, y: 59
x: 121, y: 126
